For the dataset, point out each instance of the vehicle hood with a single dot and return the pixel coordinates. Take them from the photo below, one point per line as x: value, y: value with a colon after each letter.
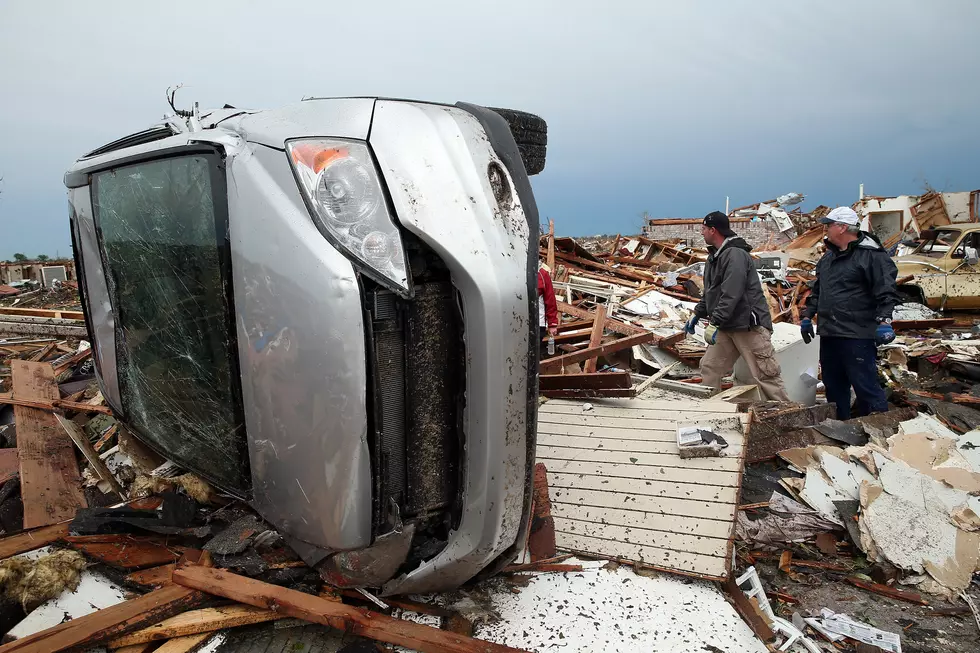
x: 912, y: 263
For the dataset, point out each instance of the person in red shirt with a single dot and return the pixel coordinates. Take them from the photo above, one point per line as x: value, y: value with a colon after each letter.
x: 547, y: 305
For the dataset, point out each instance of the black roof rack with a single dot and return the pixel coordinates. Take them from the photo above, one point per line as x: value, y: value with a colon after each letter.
x: 139, y: 138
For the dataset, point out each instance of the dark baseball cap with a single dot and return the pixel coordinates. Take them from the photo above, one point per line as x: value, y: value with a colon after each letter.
x: 719, y: 221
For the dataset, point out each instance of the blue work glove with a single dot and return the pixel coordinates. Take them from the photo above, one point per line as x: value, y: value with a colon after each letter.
x: 884, y: 334
x: 689, y: 327
x: 711, y: 334
x: 806, y: 329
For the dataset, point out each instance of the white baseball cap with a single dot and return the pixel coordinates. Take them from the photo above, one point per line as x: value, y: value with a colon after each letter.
x: 842, y: 214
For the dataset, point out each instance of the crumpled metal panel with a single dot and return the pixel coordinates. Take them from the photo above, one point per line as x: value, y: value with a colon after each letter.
x: 302, y: 358
x: 434, y: 160
x: 341, y: 117
x: 97, y: 295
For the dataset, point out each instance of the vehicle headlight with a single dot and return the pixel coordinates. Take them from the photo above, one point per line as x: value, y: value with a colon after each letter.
x: 341, y: 185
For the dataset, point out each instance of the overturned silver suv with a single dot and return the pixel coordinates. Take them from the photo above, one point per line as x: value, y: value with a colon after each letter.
x: 329, y: 310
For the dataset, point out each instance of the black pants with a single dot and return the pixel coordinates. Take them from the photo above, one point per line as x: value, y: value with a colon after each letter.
x: 847, y: 363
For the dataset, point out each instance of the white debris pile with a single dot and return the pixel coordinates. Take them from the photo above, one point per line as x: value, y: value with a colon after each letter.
x: 916, y: 496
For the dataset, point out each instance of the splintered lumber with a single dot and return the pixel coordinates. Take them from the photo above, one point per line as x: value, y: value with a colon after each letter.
x: 110, y: 623
x: 749, y: 611
x: 54, y: 404
x: 346, y: 618
x: 72, y: 362
x: 598, y: 328
x: 611, y: 324
x: 194, y: 622
x: 558, y: 363
x: 661, y: 373
x: 885, y: 590
x: 50, y: 483
x: 75, y: 432
x: 32, y: 539
x: 42, y: 329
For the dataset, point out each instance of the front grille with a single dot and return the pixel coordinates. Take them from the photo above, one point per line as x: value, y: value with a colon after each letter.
x: 418, y: 386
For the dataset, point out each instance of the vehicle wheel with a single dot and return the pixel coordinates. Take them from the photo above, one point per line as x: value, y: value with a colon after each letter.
x: 531, y: 133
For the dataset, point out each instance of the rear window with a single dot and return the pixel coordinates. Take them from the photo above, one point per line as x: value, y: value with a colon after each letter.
x: 163, y: 233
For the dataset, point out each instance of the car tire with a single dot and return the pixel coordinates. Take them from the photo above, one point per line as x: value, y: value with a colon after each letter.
x: 531, y: 133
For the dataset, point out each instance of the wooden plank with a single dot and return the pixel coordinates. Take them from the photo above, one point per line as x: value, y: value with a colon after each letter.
x: 74, y: 431
x: 42, y: 312
x: 611, y: 324
x: 43, y: 353
x: 183, y: 644
x: 618, y: 444
x: 72, y: 362
x: 749, y: 612
x: 55, y: 405
x: 50, y: 483
x: 664, y: 434
x: 711, y: 567
x: 110, y: 622
x: 679, y: 542
x: 550, y: 258
x: 661, y: 373
x: 30, y: 540
x: 592, y: 381
x: 9, y: 465
x: 205, y: 620
x: 585, y: 393
x: 664, y: 423
x: 645, y: 405
x: 126, y: 551
x: 595, y: 340
x: 663, y: 506
x: 639, y: 459
x: 558, y: 363
x: 350, y: 619
x: 152, y: 577
x: 621, y: 273
x: 682, y: 524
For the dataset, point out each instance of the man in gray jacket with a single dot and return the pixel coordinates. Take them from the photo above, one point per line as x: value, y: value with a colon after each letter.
x: 738, y: 314
x: 852, y: 299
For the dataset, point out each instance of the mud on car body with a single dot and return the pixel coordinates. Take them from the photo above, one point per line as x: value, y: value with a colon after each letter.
x: 329, y: 310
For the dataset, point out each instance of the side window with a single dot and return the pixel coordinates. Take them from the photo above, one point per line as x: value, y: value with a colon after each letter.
x: 968, y: 248
x: 163, y: 227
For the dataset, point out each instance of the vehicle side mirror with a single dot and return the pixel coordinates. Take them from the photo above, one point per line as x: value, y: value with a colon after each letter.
x: 972, y: 260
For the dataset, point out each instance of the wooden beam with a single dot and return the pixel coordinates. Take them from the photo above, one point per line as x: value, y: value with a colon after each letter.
x: 661, y: 373
x: 593, y: 381
x: 154, y: 576
x: 589, y: 393
x: 626, y: 274
x: 109, y: 623
x: 751, y: 614
x: 81, y: 440
x: 72, y: 362
x: 611, y: 323
x: 41, y: 312
x: 53, y: 405
x: 126, y: 551
x: 32, y: 539
x: 598, y: 328
x: 346, y: 618
x: 885, y: 590
x: 554, y: 365
x: 198, y: 621
x: 50, y: 483
x: 550, y: 257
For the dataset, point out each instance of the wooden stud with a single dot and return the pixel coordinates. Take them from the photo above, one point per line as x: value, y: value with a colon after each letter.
x: 74, y: 431
x: 555, y: 365
x: 357, y: 621
x: 205, y: 620
x: 598, y: 328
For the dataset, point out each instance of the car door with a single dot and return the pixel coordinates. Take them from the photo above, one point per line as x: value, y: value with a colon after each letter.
x: 963, y: 280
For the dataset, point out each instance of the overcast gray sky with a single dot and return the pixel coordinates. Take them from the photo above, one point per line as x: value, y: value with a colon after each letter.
x: 664, y: 107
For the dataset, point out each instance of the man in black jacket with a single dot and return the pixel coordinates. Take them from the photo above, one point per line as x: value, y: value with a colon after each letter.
x: 738, y: 314
x: 853, y: 298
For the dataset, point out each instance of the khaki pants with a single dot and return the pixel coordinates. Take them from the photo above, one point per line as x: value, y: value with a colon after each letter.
x: 755, y: 346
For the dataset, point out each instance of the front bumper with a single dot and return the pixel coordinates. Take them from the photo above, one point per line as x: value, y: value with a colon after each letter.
x: 434, y: 160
